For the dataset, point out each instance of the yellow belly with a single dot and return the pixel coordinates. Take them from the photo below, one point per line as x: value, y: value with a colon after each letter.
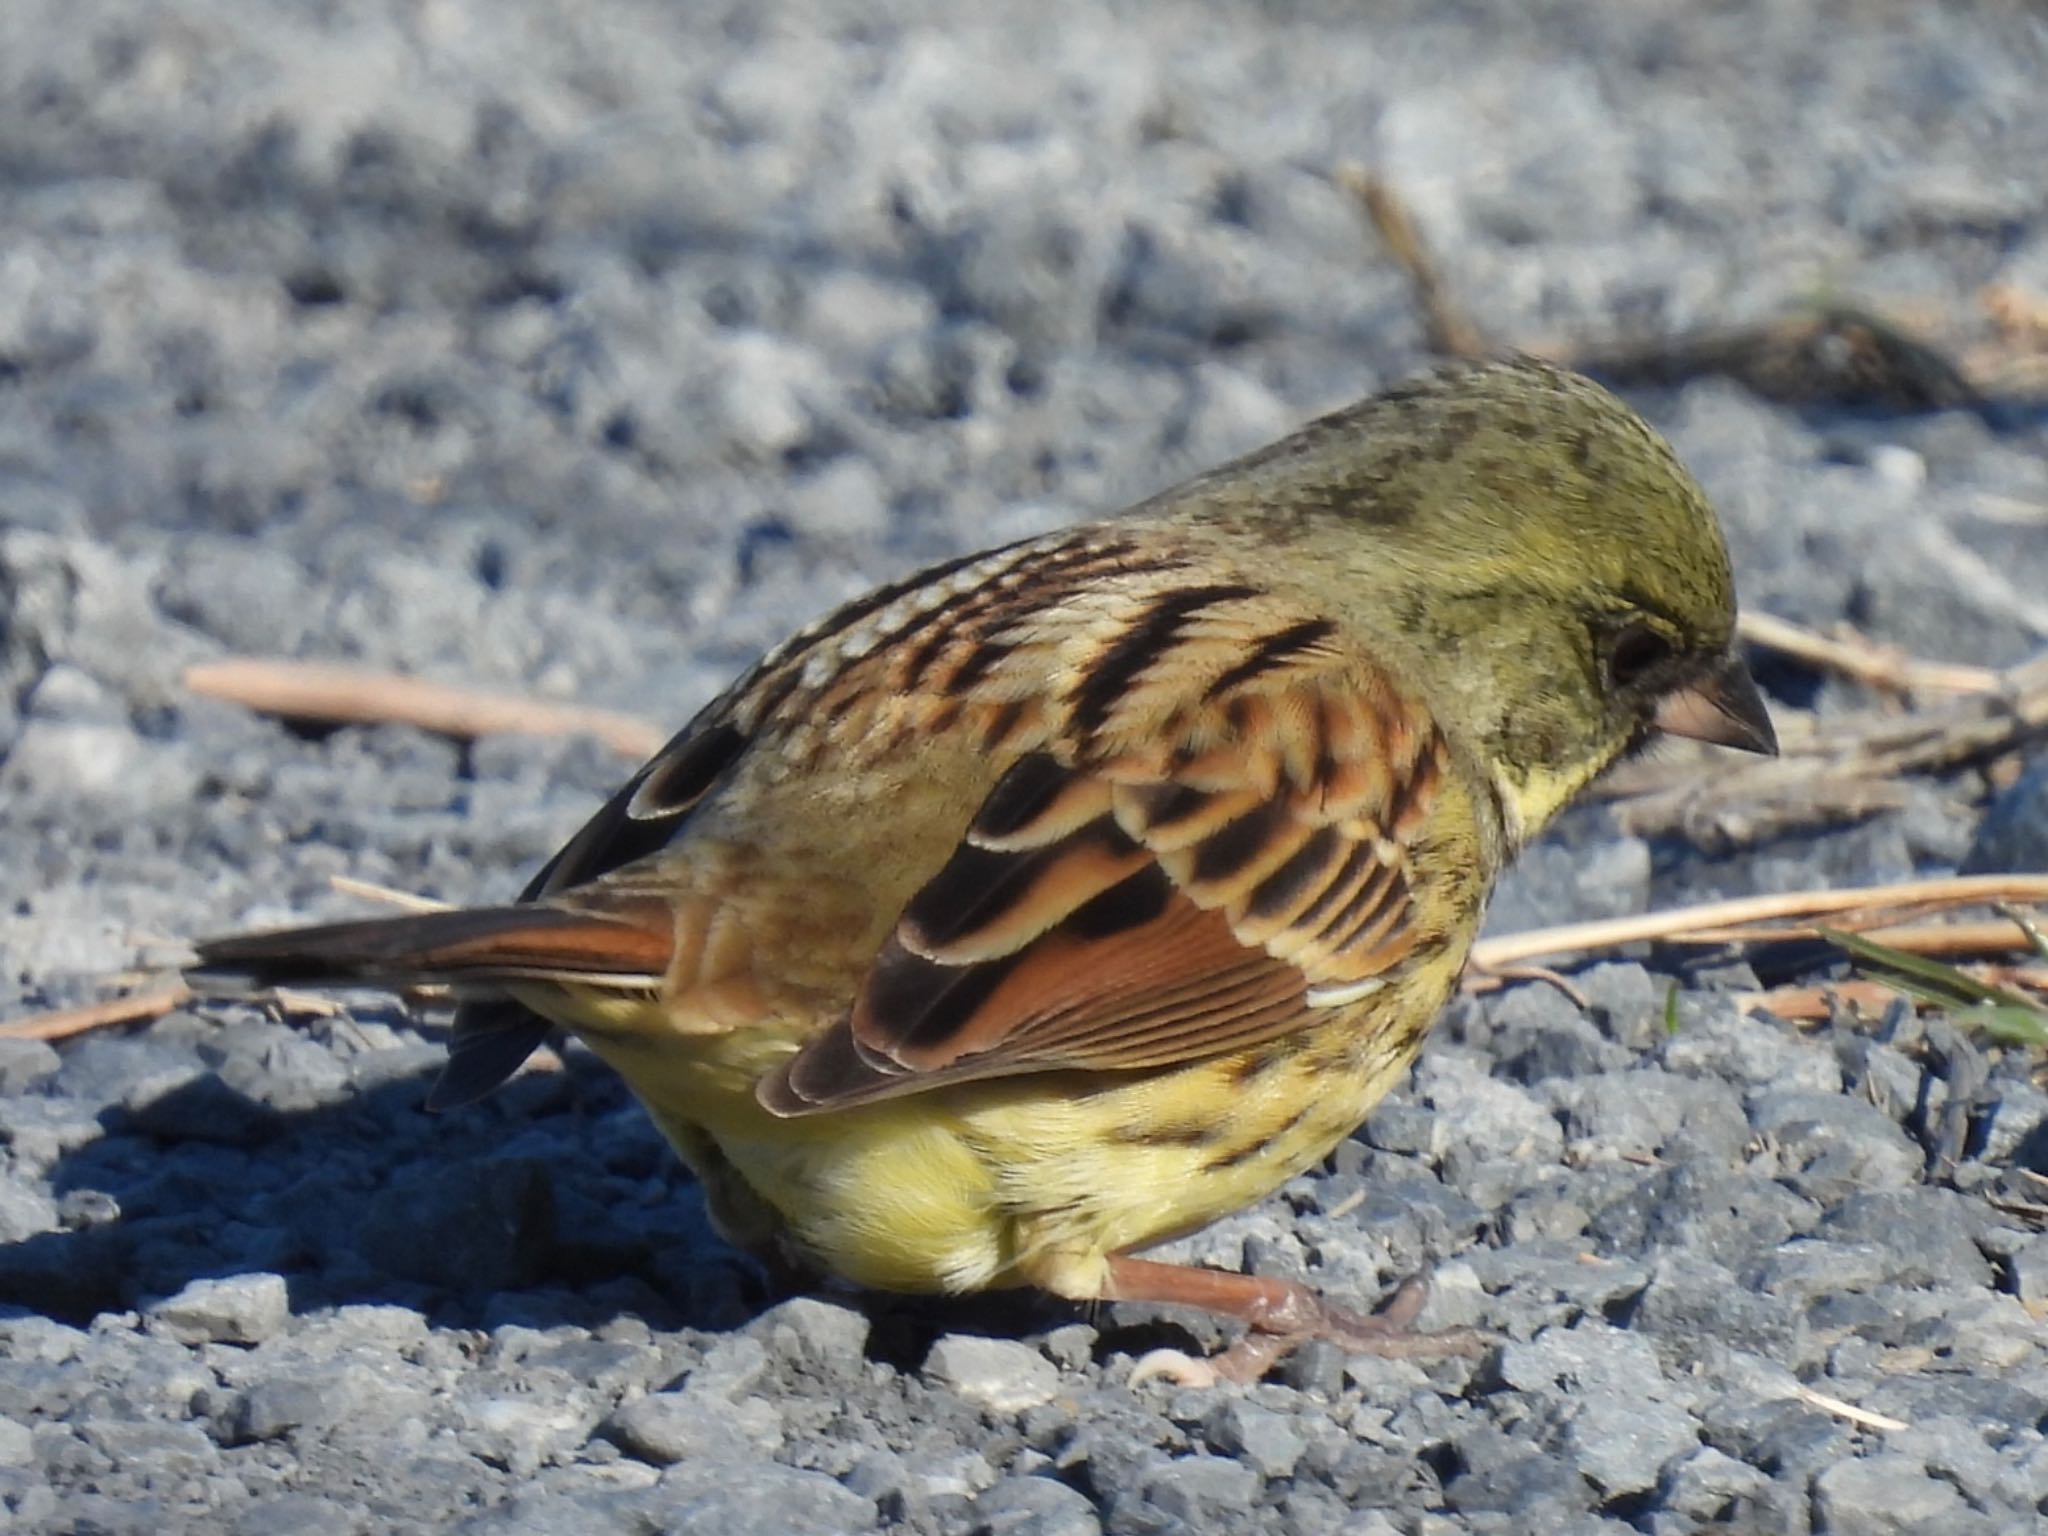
x: 1026, y: 1180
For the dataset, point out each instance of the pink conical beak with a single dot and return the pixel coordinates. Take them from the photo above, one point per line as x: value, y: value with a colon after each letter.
x: 1723, y: 707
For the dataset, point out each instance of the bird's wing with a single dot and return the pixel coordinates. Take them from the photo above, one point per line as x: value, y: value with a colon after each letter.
x: 939, y: 652
x: 1138, y: 814
x: 1214, y: 839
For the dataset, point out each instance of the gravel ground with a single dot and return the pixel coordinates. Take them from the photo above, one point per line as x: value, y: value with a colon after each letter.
x: 587, y: 359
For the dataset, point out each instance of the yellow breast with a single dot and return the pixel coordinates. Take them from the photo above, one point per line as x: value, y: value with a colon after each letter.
x: 1027, y: 1180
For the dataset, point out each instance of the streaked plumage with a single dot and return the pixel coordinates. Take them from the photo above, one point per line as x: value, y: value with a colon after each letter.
x: 1066, y: 897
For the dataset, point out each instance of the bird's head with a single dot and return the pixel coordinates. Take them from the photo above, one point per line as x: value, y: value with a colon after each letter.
x: 1532, y: 551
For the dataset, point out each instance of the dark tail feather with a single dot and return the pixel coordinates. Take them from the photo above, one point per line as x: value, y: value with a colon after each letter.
x: 492, y: 1037
x: 493, y: 1034
x: 480, y: 945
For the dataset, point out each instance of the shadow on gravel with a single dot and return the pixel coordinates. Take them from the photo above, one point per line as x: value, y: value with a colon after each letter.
x: 552, y: 1202
x: 556, y: 1195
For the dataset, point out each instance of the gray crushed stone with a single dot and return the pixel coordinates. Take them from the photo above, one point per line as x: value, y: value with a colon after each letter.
x: 1001, y: 1375
x: 585, y: 361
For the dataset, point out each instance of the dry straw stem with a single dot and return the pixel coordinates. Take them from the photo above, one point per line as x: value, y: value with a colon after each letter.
x: 1448, y: 329
x: 307, y: 690
x: 1817, y: 1004
x: 1721, y: 922
x: 62, y: 1023
x: 1862, y: 659
x: 386, y: 895
x: 146, y: 1008
x: 1864, y: 1418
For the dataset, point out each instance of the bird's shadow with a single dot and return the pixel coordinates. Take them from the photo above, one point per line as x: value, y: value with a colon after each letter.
x: 554, y: 1201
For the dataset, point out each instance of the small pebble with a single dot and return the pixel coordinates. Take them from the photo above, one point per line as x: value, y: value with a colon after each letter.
x: 819, y: 1333
x: 242, y: 1309
x: 1264, y: 1439
x: 1001, y: 1375
x: 1886, y: 1495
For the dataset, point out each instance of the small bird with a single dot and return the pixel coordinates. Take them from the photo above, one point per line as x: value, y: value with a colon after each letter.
x: 1061, y: 899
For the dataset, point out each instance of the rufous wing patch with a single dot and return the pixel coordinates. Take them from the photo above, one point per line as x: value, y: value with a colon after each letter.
x: 1122, y: 903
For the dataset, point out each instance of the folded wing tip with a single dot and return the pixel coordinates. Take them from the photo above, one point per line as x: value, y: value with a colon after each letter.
x: 831, y: 1072
x: 775, y: 1094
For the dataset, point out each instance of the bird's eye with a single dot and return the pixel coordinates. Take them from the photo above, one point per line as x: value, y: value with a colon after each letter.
x: 1635, y: 651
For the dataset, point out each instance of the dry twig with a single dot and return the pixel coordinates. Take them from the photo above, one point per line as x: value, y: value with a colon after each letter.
x: 1955, y: 941
x: 390, y: 896
x: 1713, y: 922
x: 62, y: 1023
x: 1861, y: 1417
x: 1817, y: 1003
x: 1448, y: 329
x: 1862, y: 659
x: 1482, y: 979
x: 303, y: 690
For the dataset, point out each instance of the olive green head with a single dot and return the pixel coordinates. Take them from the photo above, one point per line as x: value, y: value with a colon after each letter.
x: 1533, y: 552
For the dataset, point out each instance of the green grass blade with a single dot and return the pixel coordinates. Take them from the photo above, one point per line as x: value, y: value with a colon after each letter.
x: 2008, y: 1026
x: 1939, y: 981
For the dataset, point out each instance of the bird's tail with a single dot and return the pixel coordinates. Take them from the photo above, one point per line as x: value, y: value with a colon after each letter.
x: 477, y: 951
x: 481, y: 945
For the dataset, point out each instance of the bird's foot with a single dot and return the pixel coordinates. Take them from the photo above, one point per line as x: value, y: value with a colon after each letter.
x: 1284, y: 1315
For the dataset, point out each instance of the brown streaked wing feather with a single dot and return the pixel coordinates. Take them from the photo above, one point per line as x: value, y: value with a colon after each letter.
x: 1168, y: 989
x: 939, y: 630
x: 933, y: 637
x: 651, y: 809
x: 1250, y: 863
x: 1135, y: 951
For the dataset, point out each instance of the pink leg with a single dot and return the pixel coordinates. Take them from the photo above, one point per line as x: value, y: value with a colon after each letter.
x: 1281, y: 1314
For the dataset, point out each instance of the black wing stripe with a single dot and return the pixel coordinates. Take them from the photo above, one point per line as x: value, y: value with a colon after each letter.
x: 921, y: 1004
x: 1149, y: 638
x: 1275, y: 650
x: 979, y: 886
x: 1309, y: 867
x: 1227, y: 851
x: 1130, y: 903
x: 615, y: 836
x: 1385, y: 891
x: 1027, y: 791
x: 683, y: 774
x: 1166, y: 808
x: 1359, y: 866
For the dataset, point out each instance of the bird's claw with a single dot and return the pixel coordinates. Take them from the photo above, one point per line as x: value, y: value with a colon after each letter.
x: 1390, y: 1334
x: 1175, y: 1367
